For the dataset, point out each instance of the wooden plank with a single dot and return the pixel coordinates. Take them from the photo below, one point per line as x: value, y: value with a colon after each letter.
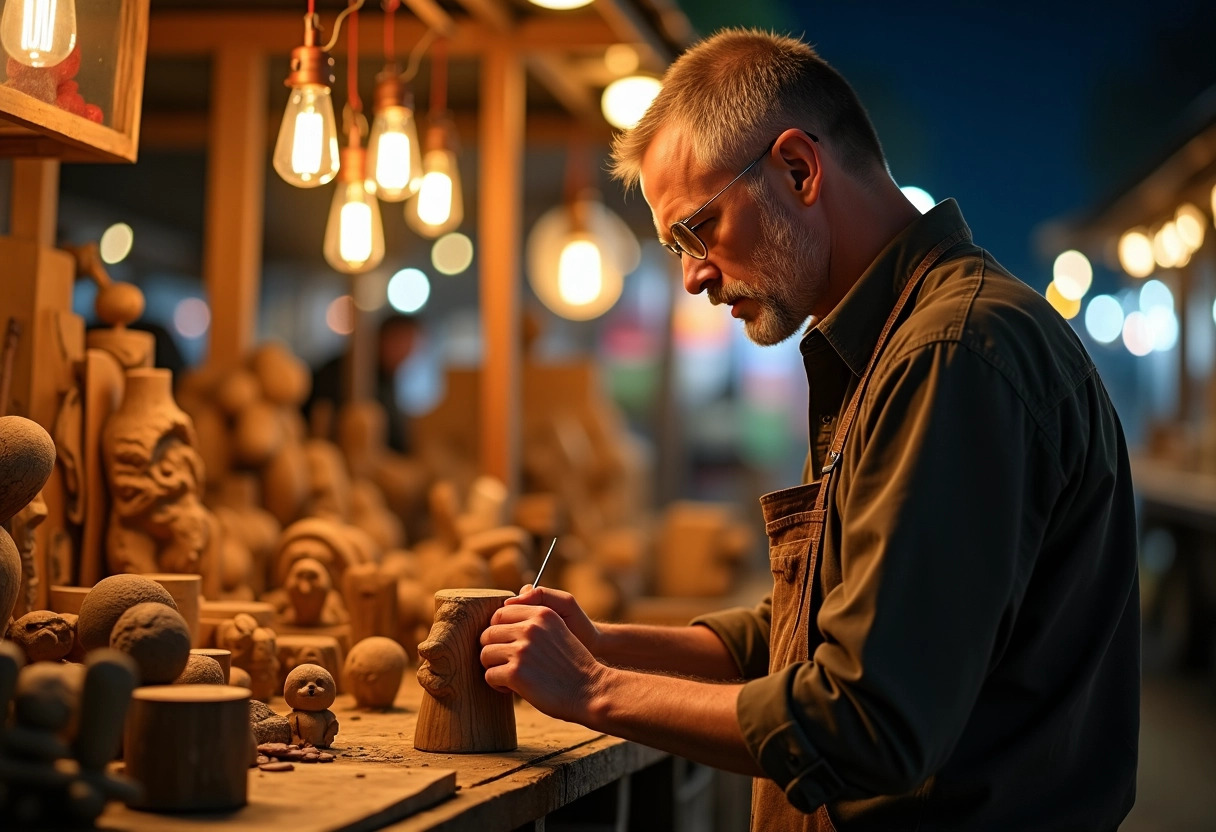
x: 331, y: 797
x: 563, y: 82
x: 129, y: 72
x: 236, y: 176
x: 629, y: 25
x: 79, y: 138
x: 500, y: 210
x: 34, y: 200
x: 433, y: 15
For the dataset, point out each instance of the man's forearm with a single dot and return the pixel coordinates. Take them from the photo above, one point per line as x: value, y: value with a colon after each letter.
x: 691, y: 719
x: 686, y: 651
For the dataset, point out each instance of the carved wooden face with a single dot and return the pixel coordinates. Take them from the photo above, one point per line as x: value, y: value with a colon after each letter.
x: 43, y: 635
x: 308, y: 585
x: 309, y: 687
x: 441, y: 663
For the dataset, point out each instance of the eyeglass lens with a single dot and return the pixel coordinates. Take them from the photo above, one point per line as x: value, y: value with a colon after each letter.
x: 687, y: 240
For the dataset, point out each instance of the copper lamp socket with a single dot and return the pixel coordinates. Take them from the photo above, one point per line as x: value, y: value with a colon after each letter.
x: 390, y: 92
x: 354, y: 163
x: 310, y: 65
x: 436, y: 137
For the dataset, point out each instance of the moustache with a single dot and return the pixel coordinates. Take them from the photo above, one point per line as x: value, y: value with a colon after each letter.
x: 719, y: 295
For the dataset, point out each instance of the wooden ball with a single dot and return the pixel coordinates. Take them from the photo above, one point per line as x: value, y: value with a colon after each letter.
x: 374, y: 669
x: 27, y: 457
x: 157, y: 638
x: 109, y: 599
x: 119, y: 303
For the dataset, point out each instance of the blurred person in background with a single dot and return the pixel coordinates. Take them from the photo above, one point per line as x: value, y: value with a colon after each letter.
x: 952, y: 636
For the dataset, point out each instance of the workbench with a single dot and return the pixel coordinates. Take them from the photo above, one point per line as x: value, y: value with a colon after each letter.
x: 379, y: 781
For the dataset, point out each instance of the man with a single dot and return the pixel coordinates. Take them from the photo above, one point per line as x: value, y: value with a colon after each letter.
x: 952, y: 640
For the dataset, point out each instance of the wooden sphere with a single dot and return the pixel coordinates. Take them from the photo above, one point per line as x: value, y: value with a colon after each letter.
x: 119, y: 303
x: 27, y: 457
x: 374, y: 669
x: 157, y: 637
x: 109, y: 599
x: 201, y: 670
x: 10, y: 576
x: 309, y: 687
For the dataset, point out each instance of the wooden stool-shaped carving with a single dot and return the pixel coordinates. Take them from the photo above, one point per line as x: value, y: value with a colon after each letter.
x: 459, y: 712
x: 190, y: 746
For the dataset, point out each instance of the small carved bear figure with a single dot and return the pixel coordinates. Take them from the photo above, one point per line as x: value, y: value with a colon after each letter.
x: 309, y: 690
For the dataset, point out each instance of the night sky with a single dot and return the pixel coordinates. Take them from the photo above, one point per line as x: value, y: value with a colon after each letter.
x: 1022, y: 112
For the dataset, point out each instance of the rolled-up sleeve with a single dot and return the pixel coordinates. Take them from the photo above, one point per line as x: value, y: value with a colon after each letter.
x: 945, y: 483
x: 744, y: 631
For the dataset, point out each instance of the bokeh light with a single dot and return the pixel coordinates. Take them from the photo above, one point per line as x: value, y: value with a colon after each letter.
x: 1190, y: 223
x: 409, y: 290
x: 340, y: 315
x: 1067, y: 307
x: 1168, y: 249
x: 1155, y: 294
x: 1104, y: 319
x: 626, y: 100
x: 561, y: 5
x: 1136, y: 253
x: 1137, y: 336
x: 919, y: 197
x: 1162, y: 328
x: 452, y: 253
x: 116, y: 243
x: 191, y: 317
x: 1072, y: 275
x: 621, y: 59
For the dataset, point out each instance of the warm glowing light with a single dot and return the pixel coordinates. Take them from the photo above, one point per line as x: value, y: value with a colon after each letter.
x: 439, y: 206
x: 191, y: 317
x: 340, y: 315
x: 626, y: 100
x: 580, y: 272
x: 393, y: 155
x: 408, y: 290
x: 1072, y: 275
x: 1162, y: 328
x: 1067, y: 307
x: 1190, y: 223
x: 1155, y: 295
x: 1136, y: 253
x: 1137, y: 336
x: 452, y: 253
x: 354, y: 235
x: 561, y: 5
x: 919, y: 197
x: 1104, y: 318
x: 306, y: 151
x: 1168, y: 249
x: 116, y: 243
x: 621, y: 59
x: 39, y: 33
x: 1214, y: 204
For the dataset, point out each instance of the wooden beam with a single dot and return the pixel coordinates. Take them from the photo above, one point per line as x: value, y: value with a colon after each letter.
x: 500, y: 225
x: 188, y: 131
x: 236, y: 177
x: 34, y: 201
x: 433, y: 15
x: 490, y: 12
x: 178, y: 34
x: 629, y: 25
x: 564, y: 85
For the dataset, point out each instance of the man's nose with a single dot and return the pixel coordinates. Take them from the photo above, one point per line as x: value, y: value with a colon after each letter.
x: 697, y: 274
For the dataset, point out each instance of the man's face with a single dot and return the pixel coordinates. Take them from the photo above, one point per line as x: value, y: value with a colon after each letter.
x: 763, y: 261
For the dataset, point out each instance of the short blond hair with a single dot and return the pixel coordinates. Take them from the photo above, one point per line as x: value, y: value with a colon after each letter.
x: 737, y: 90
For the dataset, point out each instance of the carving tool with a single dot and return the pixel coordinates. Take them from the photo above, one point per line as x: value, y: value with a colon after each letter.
x: 536, y: 582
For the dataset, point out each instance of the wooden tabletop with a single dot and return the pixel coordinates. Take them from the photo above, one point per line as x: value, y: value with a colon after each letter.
x: 379, y: 781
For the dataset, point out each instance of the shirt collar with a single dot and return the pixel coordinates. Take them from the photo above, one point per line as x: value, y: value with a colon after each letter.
x: 852, y: 328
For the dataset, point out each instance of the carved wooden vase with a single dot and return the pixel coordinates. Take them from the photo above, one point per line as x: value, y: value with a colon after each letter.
x: 460, y: 713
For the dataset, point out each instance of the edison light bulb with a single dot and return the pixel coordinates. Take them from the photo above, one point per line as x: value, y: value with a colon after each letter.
x: 394, y: 159
x: 438, y: 208
x: 38, y: 32
x: 306, y: 153
x: 354, y: 235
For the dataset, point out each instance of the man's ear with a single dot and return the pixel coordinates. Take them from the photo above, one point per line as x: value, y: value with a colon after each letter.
x: 799, y: 154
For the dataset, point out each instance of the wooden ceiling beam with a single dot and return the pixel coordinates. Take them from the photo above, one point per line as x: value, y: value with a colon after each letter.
x: 565, y: 86
x: 198, y: 34
x: 433, y: 15
x: 629, y: 25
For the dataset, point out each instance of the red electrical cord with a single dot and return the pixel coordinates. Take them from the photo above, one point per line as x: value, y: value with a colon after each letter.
x: 439, y: 77
x: 390, y: 47
x: 352, y: 63
x: 312, y: 7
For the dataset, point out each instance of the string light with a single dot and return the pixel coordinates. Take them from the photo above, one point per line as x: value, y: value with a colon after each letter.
x: 393, y: 156
x: 439, y: 205
x: 38, y: 33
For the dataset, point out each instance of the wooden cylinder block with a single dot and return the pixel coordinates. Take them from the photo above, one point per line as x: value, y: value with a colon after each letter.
x: 187, y: 594
x: 224, y: 657
x: 190, y: 747
x: 460, y: 713
x: 68, y: 598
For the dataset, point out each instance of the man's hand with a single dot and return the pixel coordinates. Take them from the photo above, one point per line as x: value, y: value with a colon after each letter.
x: 563, y: 604
x: 531, y: 651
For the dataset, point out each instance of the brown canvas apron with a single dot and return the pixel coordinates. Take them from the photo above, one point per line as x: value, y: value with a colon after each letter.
x: 794, y: 520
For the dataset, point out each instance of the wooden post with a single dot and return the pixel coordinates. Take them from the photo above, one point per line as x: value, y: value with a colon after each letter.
x: 236, y: 179
x: 34, y: 206
x: 460, y: 713
x: 500, y: 209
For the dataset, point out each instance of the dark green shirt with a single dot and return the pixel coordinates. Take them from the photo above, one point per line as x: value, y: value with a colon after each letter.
x: 974, y: 649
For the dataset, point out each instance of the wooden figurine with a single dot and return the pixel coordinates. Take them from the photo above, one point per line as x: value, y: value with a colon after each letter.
x: 155, y: 478
x: 43, y: 636
x: 459, y: 711
x: 157, y: 638
x: 23, y: 527
x: 374, y: 670
x: 314, y: 602
x: 106, y: 602
x: 253, y: 650
x: 371, y: 601
x: 309, y: 690
x: 27, y: 457
x: 212, y: 722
